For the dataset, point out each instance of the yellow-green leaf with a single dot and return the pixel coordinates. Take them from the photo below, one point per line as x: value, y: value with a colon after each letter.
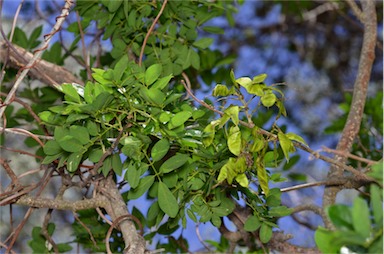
x: 268, y: 99
x: 160, y: 149
x: 234, y: 140
x: 263, y: 179
x: 285, y: 144
x: 233, y: 112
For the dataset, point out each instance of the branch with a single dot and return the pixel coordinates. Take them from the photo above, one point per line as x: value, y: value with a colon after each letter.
x: 37, y: 55
x: 150, y: 31
x: 352, y: 126
x: 61, y: 204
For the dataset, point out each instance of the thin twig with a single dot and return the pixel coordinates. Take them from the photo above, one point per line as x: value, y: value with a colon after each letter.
x: 349, y: 155
x: 356, y: 10
x: 86, y: 58
x: 150, y: 31
x: 37, y: 55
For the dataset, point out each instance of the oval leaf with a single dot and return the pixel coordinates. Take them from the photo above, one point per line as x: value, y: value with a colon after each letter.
x: 252, y: 224
x: 174, y: 162
x: 152, y: 73
x: 160, y: 149
x: 167, y: 201
x: 234, y: 140
x: 179, y: 119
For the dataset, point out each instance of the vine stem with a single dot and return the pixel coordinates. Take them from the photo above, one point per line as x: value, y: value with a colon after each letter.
x: 150, y: 31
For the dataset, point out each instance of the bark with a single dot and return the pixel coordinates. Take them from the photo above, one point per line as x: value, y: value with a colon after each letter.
x: 352, y: 126
x: 44, y: 71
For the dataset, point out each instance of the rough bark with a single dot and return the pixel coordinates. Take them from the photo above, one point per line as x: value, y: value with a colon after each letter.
x: 352, y: 126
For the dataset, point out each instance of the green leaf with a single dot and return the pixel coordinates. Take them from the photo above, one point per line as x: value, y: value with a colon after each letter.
x: 132, y: 175
x: 361, y: 218
x: 179, y: 119
x: 279, y: 211
x: 220, y: 90
x: 162, y: 82
x: 250, y: 86
x: 114, y: 5
x: 144, y: 185
x: 268, y: 99
x: 92, y: 128
x: 377, y: 204
x: 233, y: 113
x: 203, y: 43
x: 70, y: 93
x: 252, y: 223
x: 263, y: 179
x: 120, y: 67
x: 285, y: 144
x: 80, y: 133
x: 265, y: 233
x: 167, y: 202
x: 242, y: 180
x: 295, y: 137
x: 95, y: 155
x: 174, y: 162
x: 324, y: 241
x: 70, y: 144
x: 160, y: 149
x: 259, y: 78
x: 117, y: 165
x: 73, y: 161
x: 52, y: 148
x: 234, y: 140
x: 152, y: 74
x: 340, y: 216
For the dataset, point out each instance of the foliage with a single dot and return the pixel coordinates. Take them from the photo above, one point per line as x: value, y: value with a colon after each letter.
x: 358, y: 228
x: 203, y: 161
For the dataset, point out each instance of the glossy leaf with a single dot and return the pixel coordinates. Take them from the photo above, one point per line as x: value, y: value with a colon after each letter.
x: 260, y: 78
x: 160, y: 149
x: 152, y: 74
x: 70, y: 93
x: 179, y: 119
x: 162, y: 82
x: 234, y: 140
x: 167, y: 202
x: 174, y: 162
x: 268, y: 99
x: 73, y: 161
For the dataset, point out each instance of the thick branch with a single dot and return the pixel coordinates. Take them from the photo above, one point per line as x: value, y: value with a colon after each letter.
x: 134, y: 242
x: 44, y: 71
x: 61, y: 204
x: 352, y: 126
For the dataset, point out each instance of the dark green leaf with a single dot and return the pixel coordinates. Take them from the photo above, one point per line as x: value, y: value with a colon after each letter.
x: 167, y: 202
x: 73, y: 161
x: 252, y: 223
x: 174, y: 162
x: 144, y: 185
x: 152, y: 74
x: 160, y: 149
x: 179, y: 119
x: 265, y: 233
x: 52, y: 148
